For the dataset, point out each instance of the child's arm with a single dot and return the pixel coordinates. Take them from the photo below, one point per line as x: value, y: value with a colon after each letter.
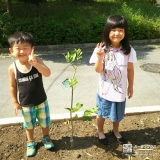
x: 130, y: 70
x: 100, y: 54
x: 13, y: 89
x: 39, y: 65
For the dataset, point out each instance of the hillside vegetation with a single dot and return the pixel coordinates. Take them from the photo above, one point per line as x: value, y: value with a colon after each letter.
x: 71, y: 22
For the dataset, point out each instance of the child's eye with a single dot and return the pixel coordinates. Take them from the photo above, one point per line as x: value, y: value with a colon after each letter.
x: 26, y: 48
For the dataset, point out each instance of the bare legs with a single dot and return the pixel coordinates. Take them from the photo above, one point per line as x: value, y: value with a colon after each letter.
x: 100, y: 124
x: 45, y: 132
x: 30, y: 133
x: 115, y: 129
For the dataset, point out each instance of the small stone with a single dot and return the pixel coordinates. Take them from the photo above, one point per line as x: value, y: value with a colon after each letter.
x: 79, y: 156
x: 146, y: 133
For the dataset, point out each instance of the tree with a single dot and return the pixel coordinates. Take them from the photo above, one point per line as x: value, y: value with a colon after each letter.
x: 74, y: 57
x: 9, y: 7
x: 36, y: 2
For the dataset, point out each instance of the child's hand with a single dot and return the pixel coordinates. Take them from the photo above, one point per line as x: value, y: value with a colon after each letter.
x: 100, y: 51
x: 32, y: 60
x: 16, y: 108
x: 130, y: 92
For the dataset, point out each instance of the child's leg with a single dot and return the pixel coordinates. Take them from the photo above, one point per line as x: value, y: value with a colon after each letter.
x: 45, y: 131
x: 30, y: 133
x: 43, y: 116
x: 100, y: 124
x: 120, y: 139
x: 115, y: 129
x: 29, y: 115
x: 118, y: 115
x: 44, y: 121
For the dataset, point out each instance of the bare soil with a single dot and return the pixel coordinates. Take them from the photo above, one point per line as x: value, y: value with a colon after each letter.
x: 142, y: 131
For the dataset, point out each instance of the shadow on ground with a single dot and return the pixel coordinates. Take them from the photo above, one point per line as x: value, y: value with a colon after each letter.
x: 142, y: 131
x: 59, y: 58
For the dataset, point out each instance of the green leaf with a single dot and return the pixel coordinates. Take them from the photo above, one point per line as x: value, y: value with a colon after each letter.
x: 73, y: 82
x: 89, y: 112
x: 67, y: 57
x: 77, y: 108
x: 87, y: 118
x: 73, y: 56
x: 75, y: 117
x: 68, y: 109
x: 66, y: 83
x: 79, y: 105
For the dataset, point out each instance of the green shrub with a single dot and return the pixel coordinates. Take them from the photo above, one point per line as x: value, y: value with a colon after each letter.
x: 75, y: 26
x: 140, y: 26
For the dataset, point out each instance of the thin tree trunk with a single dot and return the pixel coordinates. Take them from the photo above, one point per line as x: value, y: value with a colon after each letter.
x: 72, y: 128
x: 9, y: 7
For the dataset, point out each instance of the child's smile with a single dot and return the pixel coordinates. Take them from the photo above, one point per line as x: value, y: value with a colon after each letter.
x: 116, y: 35
x: 21, y: 51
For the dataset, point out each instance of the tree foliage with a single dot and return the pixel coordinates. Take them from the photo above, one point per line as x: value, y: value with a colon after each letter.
x: 36, y: 2
x: 9, y: 7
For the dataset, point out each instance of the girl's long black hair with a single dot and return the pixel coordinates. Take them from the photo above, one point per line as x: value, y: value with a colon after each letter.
x: 112, y: 22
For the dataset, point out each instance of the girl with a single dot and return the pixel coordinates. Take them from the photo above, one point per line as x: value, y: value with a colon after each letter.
x: 114, y: 60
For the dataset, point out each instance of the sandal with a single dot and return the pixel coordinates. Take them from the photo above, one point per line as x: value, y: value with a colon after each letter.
x: 103, y: 141
x: 119, y: 140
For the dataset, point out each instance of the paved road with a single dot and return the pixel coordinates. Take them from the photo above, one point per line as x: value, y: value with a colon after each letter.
x: 146, y: 85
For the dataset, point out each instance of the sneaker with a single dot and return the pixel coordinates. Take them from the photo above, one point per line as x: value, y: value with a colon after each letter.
x: 48, y: 144
x: 31, y: 149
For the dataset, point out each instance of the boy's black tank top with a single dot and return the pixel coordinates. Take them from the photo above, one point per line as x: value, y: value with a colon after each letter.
x: 30, y: 87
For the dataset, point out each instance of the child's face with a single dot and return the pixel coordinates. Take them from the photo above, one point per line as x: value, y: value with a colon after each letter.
x: 21, y: 50
x: 116, y: 35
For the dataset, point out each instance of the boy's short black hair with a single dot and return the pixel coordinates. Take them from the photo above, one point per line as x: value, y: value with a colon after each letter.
x: 20, y: 37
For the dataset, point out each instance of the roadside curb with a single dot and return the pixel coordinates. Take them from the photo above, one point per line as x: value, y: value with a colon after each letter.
x: 54, y: 50
x: 66, y: 116
x: 137, y: 44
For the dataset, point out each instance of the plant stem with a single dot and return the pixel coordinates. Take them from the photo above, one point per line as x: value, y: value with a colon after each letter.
x: 75, y: 70
x: 72, y: 142
x: 71, y: 118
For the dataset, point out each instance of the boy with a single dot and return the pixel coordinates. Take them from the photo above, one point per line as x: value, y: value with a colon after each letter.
x: 26, y: 88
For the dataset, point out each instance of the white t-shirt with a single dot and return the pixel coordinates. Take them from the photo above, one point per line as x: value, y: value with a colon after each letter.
x: 112, y: 84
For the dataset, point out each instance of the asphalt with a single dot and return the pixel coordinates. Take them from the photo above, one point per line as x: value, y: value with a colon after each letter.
x: 146, y: 84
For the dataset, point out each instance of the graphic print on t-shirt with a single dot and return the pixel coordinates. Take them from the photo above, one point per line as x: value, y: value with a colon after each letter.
x: 28, y: 78
x: 112, y: 72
